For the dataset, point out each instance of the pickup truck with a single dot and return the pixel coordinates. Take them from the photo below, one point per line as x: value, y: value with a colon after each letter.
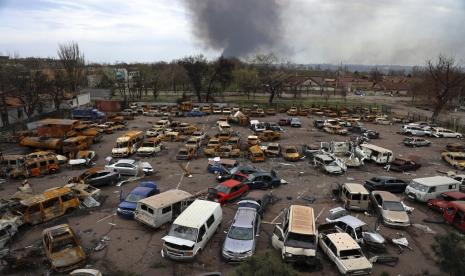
x: 91, y: 114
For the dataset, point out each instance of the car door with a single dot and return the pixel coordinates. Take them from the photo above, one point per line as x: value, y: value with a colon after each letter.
x: 378, y: 204
x: 277, y: 240
x: 258, y: 183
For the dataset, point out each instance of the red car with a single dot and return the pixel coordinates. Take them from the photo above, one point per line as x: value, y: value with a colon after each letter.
x: 226, y: 191
x: 454, y: 214
x: 440, y: 203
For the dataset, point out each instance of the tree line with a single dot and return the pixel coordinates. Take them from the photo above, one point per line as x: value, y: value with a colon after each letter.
x: 440, y: 81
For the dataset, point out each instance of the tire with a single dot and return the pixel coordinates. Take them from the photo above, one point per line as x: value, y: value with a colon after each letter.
x: 458, y: 137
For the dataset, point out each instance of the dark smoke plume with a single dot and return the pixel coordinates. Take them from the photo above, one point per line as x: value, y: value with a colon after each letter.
x: 238, y: 27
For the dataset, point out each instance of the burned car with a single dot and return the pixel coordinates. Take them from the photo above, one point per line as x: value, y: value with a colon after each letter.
x: 403, y: 165
x: 63, y: 248
x: 237, y: 173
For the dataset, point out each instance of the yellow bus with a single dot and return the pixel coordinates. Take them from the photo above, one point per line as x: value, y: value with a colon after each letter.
x: 128, y: 143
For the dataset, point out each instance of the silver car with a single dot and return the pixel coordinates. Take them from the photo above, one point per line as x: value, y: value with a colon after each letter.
x: 130, y: 167
x: 241, y: 238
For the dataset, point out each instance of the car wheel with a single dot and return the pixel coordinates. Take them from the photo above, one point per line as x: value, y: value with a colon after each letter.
x: 458, y: 137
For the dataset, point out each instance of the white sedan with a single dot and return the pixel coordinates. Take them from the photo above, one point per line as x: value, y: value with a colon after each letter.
x: 130, y: 167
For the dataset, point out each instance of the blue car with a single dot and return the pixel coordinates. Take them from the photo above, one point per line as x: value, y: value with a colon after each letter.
x: 128, y: 205
x: 195, y: 113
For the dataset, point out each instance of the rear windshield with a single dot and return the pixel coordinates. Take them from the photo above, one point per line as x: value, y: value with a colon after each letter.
x: 61, y: 245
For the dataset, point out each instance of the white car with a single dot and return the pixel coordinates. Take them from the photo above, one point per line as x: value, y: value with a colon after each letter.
x: 415, y: 130
x: 346, y: 254
x: 130, y: 167
x: 446, y: 133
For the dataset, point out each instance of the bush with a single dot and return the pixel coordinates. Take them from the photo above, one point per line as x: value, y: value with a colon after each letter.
x: 266, y: 264
x: 450, y: 252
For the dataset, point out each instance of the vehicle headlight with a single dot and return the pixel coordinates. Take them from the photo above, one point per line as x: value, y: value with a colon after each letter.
x: 189, y: 253
x: 118, y: 210
x: 289, y: 255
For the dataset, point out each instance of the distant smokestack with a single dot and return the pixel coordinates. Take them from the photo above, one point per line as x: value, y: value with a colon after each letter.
x: 237, y: 27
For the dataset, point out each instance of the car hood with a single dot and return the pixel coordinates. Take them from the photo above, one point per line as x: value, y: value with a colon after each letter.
x: 67, y: 257
x: 396, y: 216
x: 333, y: 169
x: 178, y: 241
x: 119, y: 150
x: 146, y: 166
x: 237, y: 246
x: 356, y: 264
x: 128, y: 205
x: 142, y: 149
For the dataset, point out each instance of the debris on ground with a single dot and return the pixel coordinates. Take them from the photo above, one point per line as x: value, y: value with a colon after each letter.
x: 386, y: 260
x: 309, y: 198
x: 424, y: 228
x: 102, y: 244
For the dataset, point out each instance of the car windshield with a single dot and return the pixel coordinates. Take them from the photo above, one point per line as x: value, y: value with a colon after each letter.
x: 133, y: 197
x: 351, y: 253
x: 222, y: 189
x: 459, y: 158
x: 300, y: 240
x: 273, y: 148
x: 62, y: 244
x: 148, y: 144
x: 419, y: 187
x: 121, y: 145
x: 183, y: 232
x: 291, y: 150
x: 240, y: 233
x: 393, y: 206
x: 251, y: 177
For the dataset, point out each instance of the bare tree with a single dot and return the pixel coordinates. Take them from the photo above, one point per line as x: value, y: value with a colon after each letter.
x: 221, y: 74
x: 72, y: 60
x: 447, y: 80
x: 271, y: 78
x: 246, y: 80
x: 196, y: 68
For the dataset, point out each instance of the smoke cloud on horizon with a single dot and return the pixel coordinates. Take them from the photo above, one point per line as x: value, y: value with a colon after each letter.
x: 237, y: 27
x: 405, y: 32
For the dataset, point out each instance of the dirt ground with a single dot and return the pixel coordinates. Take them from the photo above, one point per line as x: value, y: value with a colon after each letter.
x: 134, y: 249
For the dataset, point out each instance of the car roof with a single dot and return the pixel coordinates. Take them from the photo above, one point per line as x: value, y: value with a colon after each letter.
x: 230, y: 183
x: 385, y: 177
x: 197, y: 213
x: 244, y: 217
x: 142, y: 190
x: 343, y: 241
x: 166, y: 198
x: 356, y: 188
x: 387, y: 196
x: 436, y: 180
x: 351, y: 221
x: 129, y: 161
x: 302, y: 220
x: 324, y: 157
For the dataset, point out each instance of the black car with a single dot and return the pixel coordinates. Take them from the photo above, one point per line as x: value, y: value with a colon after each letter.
x: 319, y: 124
x: 263, y: 180
x: 99, y: 177
x: 386, y: 183
x: 368, y: 133
x: 237, y: 173
x: 273, y: 126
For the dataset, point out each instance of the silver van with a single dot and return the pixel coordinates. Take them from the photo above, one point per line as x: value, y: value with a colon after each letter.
x: 164, y: 207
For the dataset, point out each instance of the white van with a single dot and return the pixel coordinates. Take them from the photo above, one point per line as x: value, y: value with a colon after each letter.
x: 377, y: 154
x: 192, y: 230
x: 224, y: 127
x: 159, y: 209
x: 424, y: 189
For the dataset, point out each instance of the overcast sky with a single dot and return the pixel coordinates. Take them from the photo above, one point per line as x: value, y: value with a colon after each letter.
x: 405, y: 32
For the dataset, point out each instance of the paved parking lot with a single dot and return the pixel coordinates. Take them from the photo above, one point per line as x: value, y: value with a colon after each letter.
x: 135, y: 248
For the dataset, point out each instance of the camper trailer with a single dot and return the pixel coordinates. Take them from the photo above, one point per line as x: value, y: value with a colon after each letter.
x: 159, y: 209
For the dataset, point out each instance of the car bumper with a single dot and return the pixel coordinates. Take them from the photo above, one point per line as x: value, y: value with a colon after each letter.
x: 128, y: 214
x: 396, y: 224
x: 235, y: 257
x: 177, y: 255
